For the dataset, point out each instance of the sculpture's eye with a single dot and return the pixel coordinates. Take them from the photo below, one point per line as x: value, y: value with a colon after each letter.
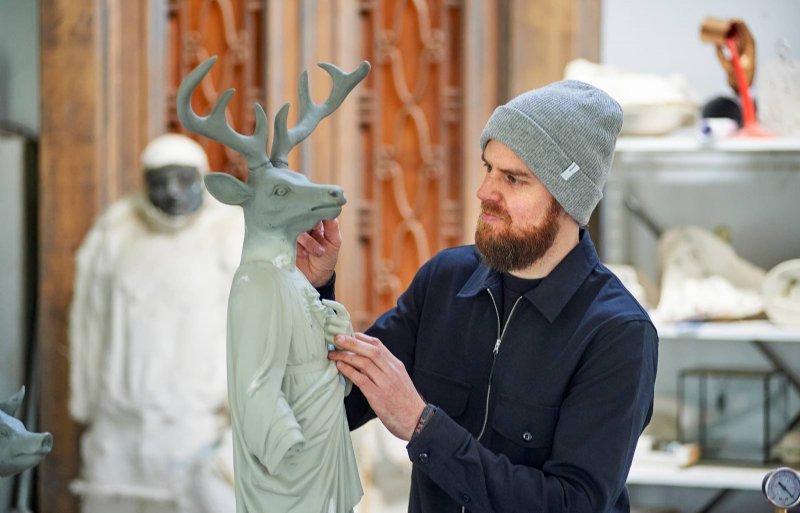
x: 280, y: 190
x: 4, y: 434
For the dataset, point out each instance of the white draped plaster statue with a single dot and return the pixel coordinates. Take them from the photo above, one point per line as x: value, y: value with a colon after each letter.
x: 147, y: 343
x: 702, y: 278
x: 292, y: 446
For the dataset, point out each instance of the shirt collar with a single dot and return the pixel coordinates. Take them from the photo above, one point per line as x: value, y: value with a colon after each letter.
x: 556, y: 289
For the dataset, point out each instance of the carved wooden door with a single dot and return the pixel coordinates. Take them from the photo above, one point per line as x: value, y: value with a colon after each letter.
x: 411, y: 119
x: 234, y: 31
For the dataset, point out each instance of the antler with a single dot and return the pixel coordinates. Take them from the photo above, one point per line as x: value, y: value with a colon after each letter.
x: 215, y: 125
x: 311, y: 113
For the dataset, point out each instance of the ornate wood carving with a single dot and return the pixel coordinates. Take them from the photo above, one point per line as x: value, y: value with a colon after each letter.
x: 412, y: 140
x: 233, y: 30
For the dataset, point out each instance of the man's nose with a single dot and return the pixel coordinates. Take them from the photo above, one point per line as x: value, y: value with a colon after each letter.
x: 487, y: 190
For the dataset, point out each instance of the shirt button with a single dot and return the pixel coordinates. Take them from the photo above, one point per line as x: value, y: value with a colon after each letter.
x: 423, y: 457
x: 466, y: 498
x: 527, y: 436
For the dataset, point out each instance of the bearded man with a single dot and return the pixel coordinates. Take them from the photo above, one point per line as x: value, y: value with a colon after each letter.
x: 519, y: 370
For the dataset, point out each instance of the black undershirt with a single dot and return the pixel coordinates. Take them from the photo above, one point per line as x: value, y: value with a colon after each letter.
x: 513, y: 288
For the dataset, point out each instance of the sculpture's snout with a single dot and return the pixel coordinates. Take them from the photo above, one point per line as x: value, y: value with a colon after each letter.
x: 338, y: 194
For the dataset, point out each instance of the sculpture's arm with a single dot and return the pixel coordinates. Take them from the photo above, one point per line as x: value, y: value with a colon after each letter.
x: 260, y: 332
x: 337, y: 322
x: 88, y: 322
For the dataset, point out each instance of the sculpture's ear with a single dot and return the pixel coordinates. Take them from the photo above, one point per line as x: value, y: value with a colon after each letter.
x: 228, y: 189
x: 10, y: 405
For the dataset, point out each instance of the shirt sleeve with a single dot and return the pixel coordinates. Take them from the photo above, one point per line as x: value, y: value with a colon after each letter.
x: 609, y: 403
x: 328, y: 291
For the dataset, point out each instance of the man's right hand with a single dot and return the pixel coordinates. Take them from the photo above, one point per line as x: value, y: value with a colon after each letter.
x: 318, y: 251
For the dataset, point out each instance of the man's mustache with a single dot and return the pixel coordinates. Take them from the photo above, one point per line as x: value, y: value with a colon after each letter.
x: 494, y: 209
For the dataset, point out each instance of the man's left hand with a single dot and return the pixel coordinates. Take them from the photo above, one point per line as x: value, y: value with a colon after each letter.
x: 383, y: 379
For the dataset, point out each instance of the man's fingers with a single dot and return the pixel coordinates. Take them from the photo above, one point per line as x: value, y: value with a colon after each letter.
x: 368, y: 347
x: 330, y: 229
x: 363, y: 364
x: 357, y: 378
x: 309, y: 244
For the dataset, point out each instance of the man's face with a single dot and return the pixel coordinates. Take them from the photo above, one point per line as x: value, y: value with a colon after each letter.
x: 519, y: 217
x: 175, y: 190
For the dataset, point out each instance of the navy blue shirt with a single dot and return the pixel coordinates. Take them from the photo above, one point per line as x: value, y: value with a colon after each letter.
x: 542, y: 419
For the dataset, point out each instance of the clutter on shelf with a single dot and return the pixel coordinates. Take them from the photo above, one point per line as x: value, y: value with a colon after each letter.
x: 736, y: 51
x: 781, y: 291
x: 702, y: 278
x: 735, y: 415
x: 653, y: 104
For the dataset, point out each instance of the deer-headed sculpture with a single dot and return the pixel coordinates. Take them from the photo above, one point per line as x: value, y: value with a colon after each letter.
x: 292, y: 447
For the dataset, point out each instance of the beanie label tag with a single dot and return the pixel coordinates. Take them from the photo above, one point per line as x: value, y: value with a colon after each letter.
x: 571, y: 170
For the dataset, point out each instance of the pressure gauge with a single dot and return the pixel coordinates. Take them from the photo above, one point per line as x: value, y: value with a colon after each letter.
x: 781, y: 487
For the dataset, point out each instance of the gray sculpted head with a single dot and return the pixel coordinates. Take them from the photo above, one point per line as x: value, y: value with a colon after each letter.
x: 274, y: 198
x: 19, y: 448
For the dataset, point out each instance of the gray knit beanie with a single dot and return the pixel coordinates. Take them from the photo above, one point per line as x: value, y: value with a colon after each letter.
x: 565, y: 132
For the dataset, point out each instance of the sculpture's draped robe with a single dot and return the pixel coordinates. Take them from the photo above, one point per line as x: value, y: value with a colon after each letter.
x: 292, y: 447
x: 148, y: 374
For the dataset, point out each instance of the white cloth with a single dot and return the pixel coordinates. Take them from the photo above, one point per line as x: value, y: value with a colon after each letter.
x: 147, y: 349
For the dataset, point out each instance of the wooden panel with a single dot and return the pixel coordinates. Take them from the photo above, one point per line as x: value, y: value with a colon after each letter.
x: 483, y: 78
x: 545, y: 35
x: 412, y: 183
x: 94, y: 105
x: 232, y: 30
x: 69, y: 199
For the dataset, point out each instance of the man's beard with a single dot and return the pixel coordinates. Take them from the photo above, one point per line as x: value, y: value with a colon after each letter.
x: 507, y: 248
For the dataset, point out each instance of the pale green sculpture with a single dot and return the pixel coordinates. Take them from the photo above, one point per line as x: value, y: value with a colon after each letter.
x: 292, y: 447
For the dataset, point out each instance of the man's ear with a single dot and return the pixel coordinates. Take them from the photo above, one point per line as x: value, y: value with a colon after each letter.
x: 228, y: 189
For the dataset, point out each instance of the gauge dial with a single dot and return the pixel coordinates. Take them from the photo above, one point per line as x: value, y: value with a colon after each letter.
x: 782, y: 487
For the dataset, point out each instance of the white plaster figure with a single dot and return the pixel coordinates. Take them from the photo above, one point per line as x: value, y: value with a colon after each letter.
x: 147, y: 343
x: 702, y: 278
x: 292, y: 446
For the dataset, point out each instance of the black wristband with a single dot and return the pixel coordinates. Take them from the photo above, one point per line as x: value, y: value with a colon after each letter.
x: 424, y: 417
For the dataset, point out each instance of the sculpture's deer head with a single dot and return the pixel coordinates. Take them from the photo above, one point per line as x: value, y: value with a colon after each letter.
x: 278, y: 203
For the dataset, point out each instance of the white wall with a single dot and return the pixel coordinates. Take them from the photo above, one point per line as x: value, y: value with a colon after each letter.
x: 19, y: 103
x: 19, y: 62
x: 663, y: 36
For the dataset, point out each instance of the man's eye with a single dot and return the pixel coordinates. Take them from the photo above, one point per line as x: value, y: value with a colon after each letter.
x: 487, y: 167
x: 512, y: 179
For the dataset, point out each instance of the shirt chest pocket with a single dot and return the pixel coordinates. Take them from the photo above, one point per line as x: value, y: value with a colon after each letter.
x: 525, y: 430
x: 447, y: 393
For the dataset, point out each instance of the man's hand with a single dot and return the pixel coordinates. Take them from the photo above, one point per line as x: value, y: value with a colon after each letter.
x: 383, y: 379
x: 317, y: 252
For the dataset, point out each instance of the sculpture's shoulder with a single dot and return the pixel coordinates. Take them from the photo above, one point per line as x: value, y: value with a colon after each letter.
x: 262, y: 278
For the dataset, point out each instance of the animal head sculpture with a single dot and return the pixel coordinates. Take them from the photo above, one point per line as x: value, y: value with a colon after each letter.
x: 276, y: 201
x: 19, y: 448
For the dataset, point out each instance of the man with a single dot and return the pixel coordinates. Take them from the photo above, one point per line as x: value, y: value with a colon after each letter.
x: 520, y: 370
x: 147, y: 342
